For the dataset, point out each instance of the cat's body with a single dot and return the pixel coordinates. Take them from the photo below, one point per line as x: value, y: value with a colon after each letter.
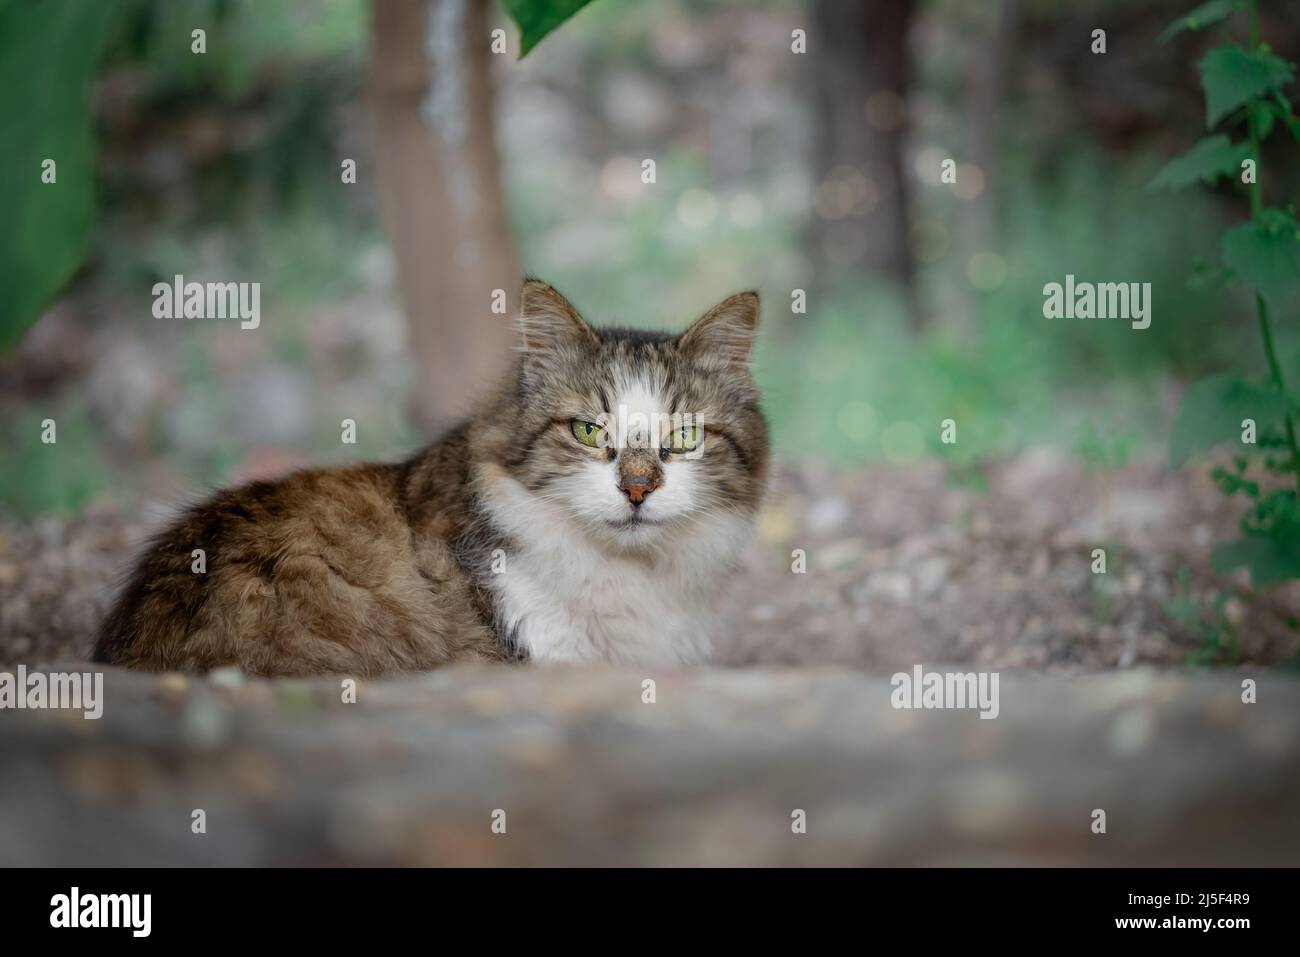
x: 511, y: 537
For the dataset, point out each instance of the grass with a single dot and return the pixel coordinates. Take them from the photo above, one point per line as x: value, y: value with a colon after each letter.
x: 1206, y: 619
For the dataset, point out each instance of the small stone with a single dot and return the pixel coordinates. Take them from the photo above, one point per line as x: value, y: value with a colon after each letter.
x: 828, y: 514
x: 229, y: 677
x: 839, y: 554
x: 932, y: 575
x: 895, y: 585
x: 776, y: 523
x: 173, y: 685
x: 204, y: 723
x: 1234, y: 610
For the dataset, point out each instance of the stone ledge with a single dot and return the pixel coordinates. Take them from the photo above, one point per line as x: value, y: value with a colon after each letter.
x: 709, y: 774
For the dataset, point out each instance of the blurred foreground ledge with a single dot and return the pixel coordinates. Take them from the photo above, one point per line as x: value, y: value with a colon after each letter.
x: 287, y: 774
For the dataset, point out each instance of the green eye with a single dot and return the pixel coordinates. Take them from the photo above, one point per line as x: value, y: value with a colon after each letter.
x: 588, y: 433
x: 685, y: 439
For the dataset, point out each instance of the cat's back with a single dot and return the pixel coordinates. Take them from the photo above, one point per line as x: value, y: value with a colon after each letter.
x: 316, y: 572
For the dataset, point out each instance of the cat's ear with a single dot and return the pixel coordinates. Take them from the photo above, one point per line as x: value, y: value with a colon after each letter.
x: 726, y: 331
x: 548, y: 321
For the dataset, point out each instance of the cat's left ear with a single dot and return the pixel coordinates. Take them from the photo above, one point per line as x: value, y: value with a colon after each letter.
x: 548, y: 322
x: 726, y: 331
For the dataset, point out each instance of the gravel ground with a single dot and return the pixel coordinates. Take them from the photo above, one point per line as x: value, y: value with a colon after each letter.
x: 901, y: 567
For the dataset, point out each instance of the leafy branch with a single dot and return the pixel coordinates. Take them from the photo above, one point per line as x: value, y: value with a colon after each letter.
x: 1245, y: 85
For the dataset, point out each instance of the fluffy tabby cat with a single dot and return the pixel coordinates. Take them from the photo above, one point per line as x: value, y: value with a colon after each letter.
x: 531, y: 531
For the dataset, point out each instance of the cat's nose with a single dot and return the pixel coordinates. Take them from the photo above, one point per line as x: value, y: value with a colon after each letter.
x: 637, y: 486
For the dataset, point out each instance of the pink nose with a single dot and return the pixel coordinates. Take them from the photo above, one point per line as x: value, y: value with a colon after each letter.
x: 637, y: 487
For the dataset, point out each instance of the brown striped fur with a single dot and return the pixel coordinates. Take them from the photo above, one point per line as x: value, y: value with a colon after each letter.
x: 381, y: 568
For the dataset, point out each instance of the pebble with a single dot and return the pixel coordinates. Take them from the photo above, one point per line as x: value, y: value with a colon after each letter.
x: 204, y: 723
x: 828, y: 514
x: 895, y: 585
x: 173, y: 685
x: 932, y: 575
x: 229, y: 677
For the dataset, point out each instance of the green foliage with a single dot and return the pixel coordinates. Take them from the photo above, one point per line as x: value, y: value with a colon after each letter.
x: 48, y: 55
x: 1206, y: 619
x: 1203, y: 16
x: 1232, y: 77
x: 1271, y: 552
x: 63, y: 477
x: 1211, y: 158
x: 537, y: 18
x: 1270, y: 546
x: 1107, y: 449
x: 1212, y: 412
x: 1264, y: 254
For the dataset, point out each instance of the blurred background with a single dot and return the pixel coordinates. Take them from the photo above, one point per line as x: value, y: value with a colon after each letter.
x: 817, y: 172
x: 893, y: 299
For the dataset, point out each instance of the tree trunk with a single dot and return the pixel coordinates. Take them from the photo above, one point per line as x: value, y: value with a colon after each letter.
x: 991, y: 30
x: 441, y: 196
x: 987, y: 93
x: 860, y: 56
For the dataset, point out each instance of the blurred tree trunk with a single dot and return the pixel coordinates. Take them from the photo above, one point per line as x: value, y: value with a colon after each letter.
x: 859, y: 53
x: 441, y: 196
x: 987, y: 93
x: 991, y: 29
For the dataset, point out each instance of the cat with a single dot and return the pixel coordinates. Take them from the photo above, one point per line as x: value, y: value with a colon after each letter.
x: 589, y: 511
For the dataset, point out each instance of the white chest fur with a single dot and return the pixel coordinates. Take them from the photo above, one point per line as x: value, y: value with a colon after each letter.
x: 566, y: 599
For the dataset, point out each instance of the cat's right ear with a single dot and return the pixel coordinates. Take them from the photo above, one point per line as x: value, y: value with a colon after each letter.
x: 548, y: 322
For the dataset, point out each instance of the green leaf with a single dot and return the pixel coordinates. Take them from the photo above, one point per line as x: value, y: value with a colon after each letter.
x: 537, y: 18
x: 1263, y: 112
x: 1205, y: 162
x: 1269, y: 558
x: 1265, y: 255
x: 48, y: 55
x: 1212, y: 412
x: 1231, y: 76
x: 1202, y: 17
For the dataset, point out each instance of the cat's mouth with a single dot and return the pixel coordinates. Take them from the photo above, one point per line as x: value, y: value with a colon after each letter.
x: 633, y: 521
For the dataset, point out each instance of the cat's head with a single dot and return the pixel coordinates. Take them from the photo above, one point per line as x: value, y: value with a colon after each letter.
x: 634, y: 438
